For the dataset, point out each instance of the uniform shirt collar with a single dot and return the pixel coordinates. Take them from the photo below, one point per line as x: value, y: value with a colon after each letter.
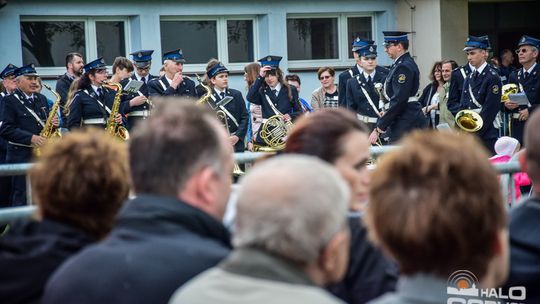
x: 27, y: 96
x: 400, y: 56
x: 372, y: 74
x: 95, y: 88
x: 168, y: 80
x: 277, y: 88
x: 531, y: 69
x: 218, y: 91
x: 482, y: 67
x: 360, y: 69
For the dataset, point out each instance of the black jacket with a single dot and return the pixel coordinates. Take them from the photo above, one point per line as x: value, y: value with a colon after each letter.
x: 257, y: 95
x: 161, y: 87
x: 425, y: 100
x: 157, y: 245
x: 456, y: 88
x: 18, y: 124
x: 369, y: 274
x: 524, y: 229
x: 237, y: 108
x: 30, y: 252
x: 85, y: 106
x: 356, y: 99
x: 402, y: 82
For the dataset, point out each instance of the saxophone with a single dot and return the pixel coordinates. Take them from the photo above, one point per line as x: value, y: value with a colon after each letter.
x: 112, y: 127
x: 49, y: 130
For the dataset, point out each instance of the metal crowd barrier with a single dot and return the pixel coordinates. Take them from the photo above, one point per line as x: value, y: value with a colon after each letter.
x: 506, y: 170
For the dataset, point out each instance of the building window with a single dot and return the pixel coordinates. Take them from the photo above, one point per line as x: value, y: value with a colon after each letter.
x: 358, y: 27
x: 231, y: 40
x: 312, y: 38
x: 324, y: 39
x: 45, y: 41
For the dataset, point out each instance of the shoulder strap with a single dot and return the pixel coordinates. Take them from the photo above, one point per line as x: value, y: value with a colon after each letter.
x: 462, y: 70
x: 162, y: 84
x: 31, y: 111
x: 222, y: 108
x: 473, y: 98
x: 274, y: 109
x: 99, y: 102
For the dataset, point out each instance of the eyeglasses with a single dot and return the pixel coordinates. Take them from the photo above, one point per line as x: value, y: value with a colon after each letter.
x: 324, y: 77
x: 523, y: 50
x: 389, y: 44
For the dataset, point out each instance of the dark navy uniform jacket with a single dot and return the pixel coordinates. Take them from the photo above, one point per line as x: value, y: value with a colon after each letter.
x: 132, y: 119
x: 18, y: 124
x: 402, y: 82
x: 161, y: 87
x: 237, y: 108
x: 257, y: 95
x: 343, y: 78
x: 531, y: 86
x: 357, y: 100
x: 456, y: 88
x: 486, y: 89
x: 85, y: 105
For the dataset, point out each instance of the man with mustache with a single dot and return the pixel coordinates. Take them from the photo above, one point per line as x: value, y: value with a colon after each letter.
x: 23, y: 116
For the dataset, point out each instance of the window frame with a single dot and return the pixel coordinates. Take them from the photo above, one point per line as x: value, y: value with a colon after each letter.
x: 90, y: 49
x: 343, y: 59
x: 222, y: 39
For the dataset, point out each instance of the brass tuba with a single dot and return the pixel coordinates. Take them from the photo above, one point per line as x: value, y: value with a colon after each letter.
x: 469, y: 120
x: 112, y: 126
x: 49, y: 130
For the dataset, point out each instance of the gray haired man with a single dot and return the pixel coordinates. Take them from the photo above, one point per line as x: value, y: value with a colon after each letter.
x: 291, y: 238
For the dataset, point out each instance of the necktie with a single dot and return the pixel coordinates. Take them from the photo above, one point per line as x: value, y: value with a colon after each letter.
x: 99, y: 92
x: 143, y: 80
x: 275, y: 92
x: 526, y: 75
x: 369, y: 79
x: 475, y: 75
x: 222, y: 94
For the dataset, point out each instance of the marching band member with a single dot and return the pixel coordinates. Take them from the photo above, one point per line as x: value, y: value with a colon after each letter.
x: 350, y: 73
x: 482, y: 90
x: 362, y: 96
x: 9, y: 85
x: 23, y: 116
x: 235, y: 110
x: 405, y: 112
x: 528, y: 81
x: 456, y: 87
x: 74, y: 70
x: 92, y: 103
x: 274, y: 95
x: 173, y: 83
x: 142, y: 60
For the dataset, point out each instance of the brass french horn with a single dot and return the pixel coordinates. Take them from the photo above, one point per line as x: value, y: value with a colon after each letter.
x: 469, y: 120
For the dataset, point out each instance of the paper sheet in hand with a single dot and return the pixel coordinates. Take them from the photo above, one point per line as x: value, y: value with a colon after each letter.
x: 133, y: 86
x: 519, y: 98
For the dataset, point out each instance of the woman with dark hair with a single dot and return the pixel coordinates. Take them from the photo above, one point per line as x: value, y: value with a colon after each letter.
x: 432, y: 94
x: 93, y: 101
x: 336, y: 136
x: 273, y: 93
x: 78, y: 183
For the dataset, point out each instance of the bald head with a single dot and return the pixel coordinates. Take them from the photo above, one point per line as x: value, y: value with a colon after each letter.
x: 291, y: 206
x: 532, y: 144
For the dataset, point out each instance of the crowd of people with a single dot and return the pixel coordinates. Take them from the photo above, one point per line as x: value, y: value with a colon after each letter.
x: 310, y: 225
